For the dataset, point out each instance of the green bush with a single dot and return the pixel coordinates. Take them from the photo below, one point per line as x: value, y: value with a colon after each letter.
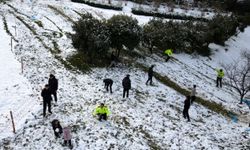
x: 78, y: 60
x: 166, y: 16
x: 92, y: 38
x: 185, y: 37
x: 98, y: 5
x: 124, y: 31
x: 221, y: 28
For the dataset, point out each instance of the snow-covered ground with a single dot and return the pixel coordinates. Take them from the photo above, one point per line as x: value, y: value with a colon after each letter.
x: 150, y: 119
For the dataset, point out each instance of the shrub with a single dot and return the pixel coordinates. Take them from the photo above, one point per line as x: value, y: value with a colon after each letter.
x: 221, y: 28
x: 92, y: 38
x: 181, y: 36
x: 125, y: 31
x: 167, y: 16
x: 98, y: 5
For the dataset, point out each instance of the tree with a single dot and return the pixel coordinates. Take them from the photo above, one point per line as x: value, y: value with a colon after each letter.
x: 239, y: 75
x: 91, y: 37
x: 125, y: 31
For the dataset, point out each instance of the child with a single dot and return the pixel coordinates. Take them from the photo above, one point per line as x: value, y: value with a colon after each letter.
x: 57, y: 128
x: 67, y: 136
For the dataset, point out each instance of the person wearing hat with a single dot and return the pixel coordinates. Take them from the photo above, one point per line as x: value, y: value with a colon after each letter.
x: 126, y: 83
x: 150, y: 74
x: 53, y: 86
x: 46, y: 94
x: 220, y: 75
x: 102, y: 112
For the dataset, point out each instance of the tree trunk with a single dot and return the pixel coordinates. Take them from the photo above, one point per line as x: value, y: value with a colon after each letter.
x: 241, y: 99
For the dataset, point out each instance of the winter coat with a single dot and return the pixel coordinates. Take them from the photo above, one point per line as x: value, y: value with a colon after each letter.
x: 56, y: 125
x: 108, y: 81
x: 126, y: 83
x: 150, y: 72
x: 193, y: 92
x: 67, y: 134
x: 220, y: 74
x: 102, y: 110
x: 168, y: 52
x: 46, y: 94
x: 53, y: 84
x: 186, y: 104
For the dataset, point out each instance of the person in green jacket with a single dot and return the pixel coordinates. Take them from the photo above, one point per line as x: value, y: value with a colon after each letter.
x: 102, y: 112
x: 220, y: 75
x: 169, y: 53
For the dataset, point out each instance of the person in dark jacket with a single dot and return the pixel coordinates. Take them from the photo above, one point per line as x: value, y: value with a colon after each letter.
x: 186, y: 107
x: 150, y: 75
x: 57, y: 128
x: 53, y: 86
x: 46, y: 94
x: 113, y: 60
x: 126, y: 83
x: 108, y: 84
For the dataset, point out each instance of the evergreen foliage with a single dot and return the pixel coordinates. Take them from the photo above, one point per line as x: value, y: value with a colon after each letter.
x: 124, y: 31
x: 91, y: 37
x: 98, y: 5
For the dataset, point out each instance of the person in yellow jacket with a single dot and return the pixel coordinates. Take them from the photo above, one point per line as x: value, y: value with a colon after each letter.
x: 102, y: 112
x: 169, y: 53
x: 220, y: 75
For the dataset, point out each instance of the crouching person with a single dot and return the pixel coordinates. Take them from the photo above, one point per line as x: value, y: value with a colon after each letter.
x: 102, y: 112
x: 57, y: 128
x: 67, y: 136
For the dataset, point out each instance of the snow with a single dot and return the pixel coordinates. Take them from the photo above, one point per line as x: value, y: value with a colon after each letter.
x: 150, y: 118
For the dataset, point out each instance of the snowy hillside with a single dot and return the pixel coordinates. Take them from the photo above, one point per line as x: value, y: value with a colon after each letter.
x: 150, y: 119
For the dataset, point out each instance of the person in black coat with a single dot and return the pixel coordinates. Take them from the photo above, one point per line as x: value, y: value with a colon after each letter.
x: 53, y: 86
x: 126, y: 83
x: 46, y: 94
x: 150, y: 75
x: 108, y: 84
x: 57, y: 128
x: 186, y: 107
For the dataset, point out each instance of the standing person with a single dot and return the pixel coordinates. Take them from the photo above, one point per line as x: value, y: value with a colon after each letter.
x: 112, y: 60
x: 57, y: 128
x: 102, y: 111
x: 193, y: 93
x: 150, y: 75
x: 67, y: 136
x: 108, y: 84
x: 126, y: 83
x: 53, y: 86
x: 46, y: 94
x: 220, y: 75
x: 186, y: 108
x: 169, y: 53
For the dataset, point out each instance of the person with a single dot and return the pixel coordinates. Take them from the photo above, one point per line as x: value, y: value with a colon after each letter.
x: 150, y: 75
x: 193, y: 93
x: 46, y: 94
x: 57, y: 128
x: 108, y: 84
x: 53, y: 86
x: 126, y: 83
x: 67, y: 136
x: 186, y: 107
x: 169, y: 53
x: 113, y: 60
x: 102, y: 112
x: 220, y: 75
